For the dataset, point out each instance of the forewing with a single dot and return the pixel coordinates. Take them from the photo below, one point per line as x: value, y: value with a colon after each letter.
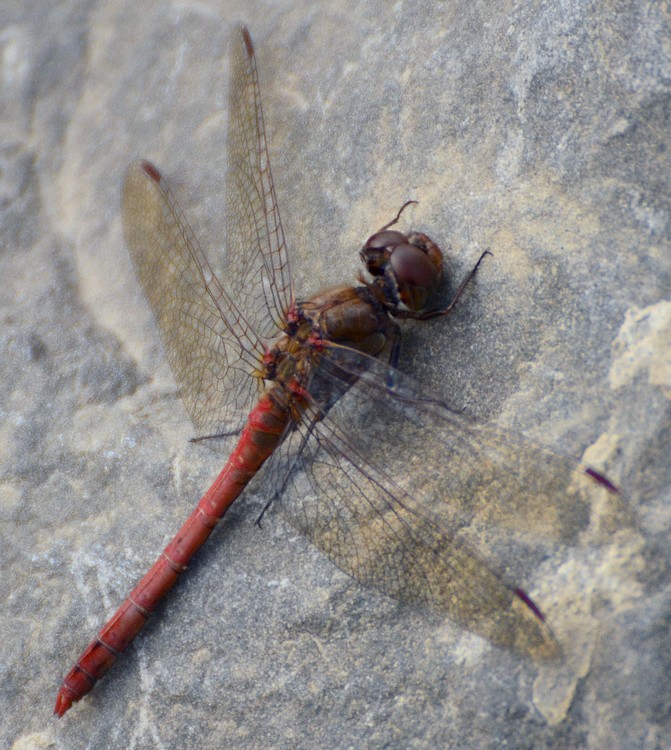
x: 215, y: 335
x: 257, y: 266
x: 210, y: 346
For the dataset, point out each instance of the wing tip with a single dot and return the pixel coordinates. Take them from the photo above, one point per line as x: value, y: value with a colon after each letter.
x: 150, y: 170
x: 247, y: 39
x: 602, y: 479
x: 522, y: 594
x: 540, y: 644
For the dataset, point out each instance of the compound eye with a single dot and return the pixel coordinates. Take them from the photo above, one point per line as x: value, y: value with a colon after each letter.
x: 412, y: 266
x: 375, y: 253
x: 416, y: 275
x: 386, y: 239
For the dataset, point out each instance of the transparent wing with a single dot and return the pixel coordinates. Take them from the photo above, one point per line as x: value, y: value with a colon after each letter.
x: 257, y: 265
x: 209, y: 344
x: 215, y: 335
x: 401, y: 494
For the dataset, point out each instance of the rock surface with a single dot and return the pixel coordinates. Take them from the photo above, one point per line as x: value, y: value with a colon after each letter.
x: 540, y: 131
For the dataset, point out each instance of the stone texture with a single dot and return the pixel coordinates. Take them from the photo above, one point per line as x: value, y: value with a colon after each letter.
x: 538, y: 130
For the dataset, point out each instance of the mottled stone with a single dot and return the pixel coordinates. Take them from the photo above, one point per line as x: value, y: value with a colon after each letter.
x: 538, y: 130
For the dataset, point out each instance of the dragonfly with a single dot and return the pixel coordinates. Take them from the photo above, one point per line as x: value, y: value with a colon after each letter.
x: 311, y: 390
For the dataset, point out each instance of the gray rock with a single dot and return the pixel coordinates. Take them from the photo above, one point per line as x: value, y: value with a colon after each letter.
x: 541, y: 133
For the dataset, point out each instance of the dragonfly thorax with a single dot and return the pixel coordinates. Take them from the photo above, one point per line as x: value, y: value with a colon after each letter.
x: 291, y: 355
x: 350, y: 316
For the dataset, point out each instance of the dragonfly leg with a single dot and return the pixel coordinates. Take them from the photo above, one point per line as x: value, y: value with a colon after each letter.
x: 394, y: 355
x: 265, y: 508
x: 428, y: 314
x: 284, y: 481
x: 215, y: 436
x: 397, y: 217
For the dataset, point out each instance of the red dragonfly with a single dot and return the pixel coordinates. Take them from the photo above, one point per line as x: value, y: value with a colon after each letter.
x: 311, y: 388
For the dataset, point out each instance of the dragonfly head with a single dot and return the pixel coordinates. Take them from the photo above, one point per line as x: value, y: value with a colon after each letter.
x: 410, y: 267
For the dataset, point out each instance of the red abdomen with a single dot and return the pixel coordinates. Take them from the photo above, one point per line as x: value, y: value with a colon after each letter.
x: 264, y: 430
